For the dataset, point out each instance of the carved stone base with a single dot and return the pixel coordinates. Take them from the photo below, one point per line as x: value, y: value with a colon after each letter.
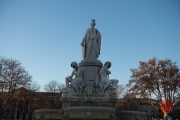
x: 88, y: 112
x: 91, y: 101
x: 90, y: 71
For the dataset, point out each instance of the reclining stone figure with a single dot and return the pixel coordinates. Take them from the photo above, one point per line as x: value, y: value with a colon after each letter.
x: 103, y: 80
x: 76, y: 82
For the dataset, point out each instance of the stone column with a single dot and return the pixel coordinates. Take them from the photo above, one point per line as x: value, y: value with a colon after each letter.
x: 90, y: 71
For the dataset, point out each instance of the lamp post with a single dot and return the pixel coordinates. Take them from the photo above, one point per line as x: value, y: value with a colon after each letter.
x: 152, y: 115
x: 146, y: 114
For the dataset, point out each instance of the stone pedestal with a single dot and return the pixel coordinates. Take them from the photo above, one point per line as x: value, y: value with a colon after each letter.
x: 90, y: 71
x: 92, y: 101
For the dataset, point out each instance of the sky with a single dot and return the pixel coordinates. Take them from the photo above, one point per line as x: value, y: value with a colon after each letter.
x: 45, y: 35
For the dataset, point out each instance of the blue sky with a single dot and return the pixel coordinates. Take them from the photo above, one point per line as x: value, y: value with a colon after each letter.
x: 45, y: 35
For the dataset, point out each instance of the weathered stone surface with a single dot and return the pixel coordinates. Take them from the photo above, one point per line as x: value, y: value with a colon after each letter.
x: 91, y: 43
x: 48, y: 114
x: 88, y: 112
x: 83, y: 101
x: 90, y: 71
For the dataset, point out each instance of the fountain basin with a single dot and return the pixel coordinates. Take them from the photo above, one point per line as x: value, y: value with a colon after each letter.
x: 48, y: 114
x: 88, y: 112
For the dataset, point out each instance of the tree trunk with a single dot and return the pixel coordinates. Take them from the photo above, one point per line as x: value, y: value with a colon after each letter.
x: 15, y: 114
x: 165, y: 115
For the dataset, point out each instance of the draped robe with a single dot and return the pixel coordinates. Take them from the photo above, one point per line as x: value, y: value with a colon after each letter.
x: 91, y: 44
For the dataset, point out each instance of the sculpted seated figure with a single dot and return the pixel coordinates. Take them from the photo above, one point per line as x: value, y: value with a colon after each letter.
x: 74, y: 83
x: 104, y: 77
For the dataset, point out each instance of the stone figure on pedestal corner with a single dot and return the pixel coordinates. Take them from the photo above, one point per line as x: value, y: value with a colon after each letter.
x: 77, y: 81
x: 91, y: 43
x: 103, y: 77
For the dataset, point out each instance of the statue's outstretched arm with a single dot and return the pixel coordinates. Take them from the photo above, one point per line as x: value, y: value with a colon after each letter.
x: 72, y: 74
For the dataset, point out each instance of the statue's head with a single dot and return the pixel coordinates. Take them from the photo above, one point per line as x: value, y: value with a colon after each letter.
x: 93, y: 22
x: 107, y: 64
x: 74, y: 64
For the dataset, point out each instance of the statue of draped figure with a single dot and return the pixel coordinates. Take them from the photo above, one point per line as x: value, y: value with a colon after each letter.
x: 91, y: 43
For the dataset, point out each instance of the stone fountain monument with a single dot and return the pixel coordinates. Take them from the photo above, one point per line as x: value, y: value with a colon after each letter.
x: 89, y: 93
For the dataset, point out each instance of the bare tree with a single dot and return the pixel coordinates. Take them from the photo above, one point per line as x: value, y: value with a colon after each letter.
x: 158, y: 80
x: 120, y: 90
x: 51, y: 86
x: 26, y: 100
x: 54, y: 88
x: 12, y: 76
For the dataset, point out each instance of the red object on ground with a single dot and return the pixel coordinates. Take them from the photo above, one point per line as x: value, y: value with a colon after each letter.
x: 166, y: 105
